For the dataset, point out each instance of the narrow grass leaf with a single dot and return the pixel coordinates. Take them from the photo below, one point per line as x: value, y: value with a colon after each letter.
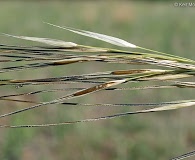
x: 69, y: 96
x: 184, y: 156
x: 183, y: 104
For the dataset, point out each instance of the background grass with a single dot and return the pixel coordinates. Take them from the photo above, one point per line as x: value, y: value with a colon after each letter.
x: 159, y: 26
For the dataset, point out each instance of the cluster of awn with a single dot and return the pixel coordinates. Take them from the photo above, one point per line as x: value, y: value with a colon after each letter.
x: 63, y: 53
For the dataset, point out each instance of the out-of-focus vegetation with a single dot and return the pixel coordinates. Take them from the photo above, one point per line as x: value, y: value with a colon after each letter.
x: 159, y: 26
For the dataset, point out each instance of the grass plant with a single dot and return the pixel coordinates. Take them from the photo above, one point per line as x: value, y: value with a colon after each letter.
x: 165, y: 70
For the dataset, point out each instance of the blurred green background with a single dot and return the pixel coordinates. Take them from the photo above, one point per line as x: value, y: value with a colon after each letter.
x: 156, y: 25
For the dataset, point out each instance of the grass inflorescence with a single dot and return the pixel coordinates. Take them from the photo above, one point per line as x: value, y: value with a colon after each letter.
x: 171, y: 72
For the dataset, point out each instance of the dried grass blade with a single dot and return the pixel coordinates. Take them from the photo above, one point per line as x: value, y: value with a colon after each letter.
x: 70, y: 96
x: 99, y: 104
x: 184, y: 156
x: 45, y: 64
x: 183, y: 104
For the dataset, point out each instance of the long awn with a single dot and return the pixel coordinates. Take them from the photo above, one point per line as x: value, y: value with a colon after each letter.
x: 173, y: 74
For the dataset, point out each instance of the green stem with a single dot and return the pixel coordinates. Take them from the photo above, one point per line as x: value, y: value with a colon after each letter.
x: 162, y: 53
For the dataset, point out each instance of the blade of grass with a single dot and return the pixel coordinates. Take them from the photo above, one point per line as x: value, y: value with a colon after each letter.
x: 184, y: 156
x: 69, y: 96
x: 183, y: 104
